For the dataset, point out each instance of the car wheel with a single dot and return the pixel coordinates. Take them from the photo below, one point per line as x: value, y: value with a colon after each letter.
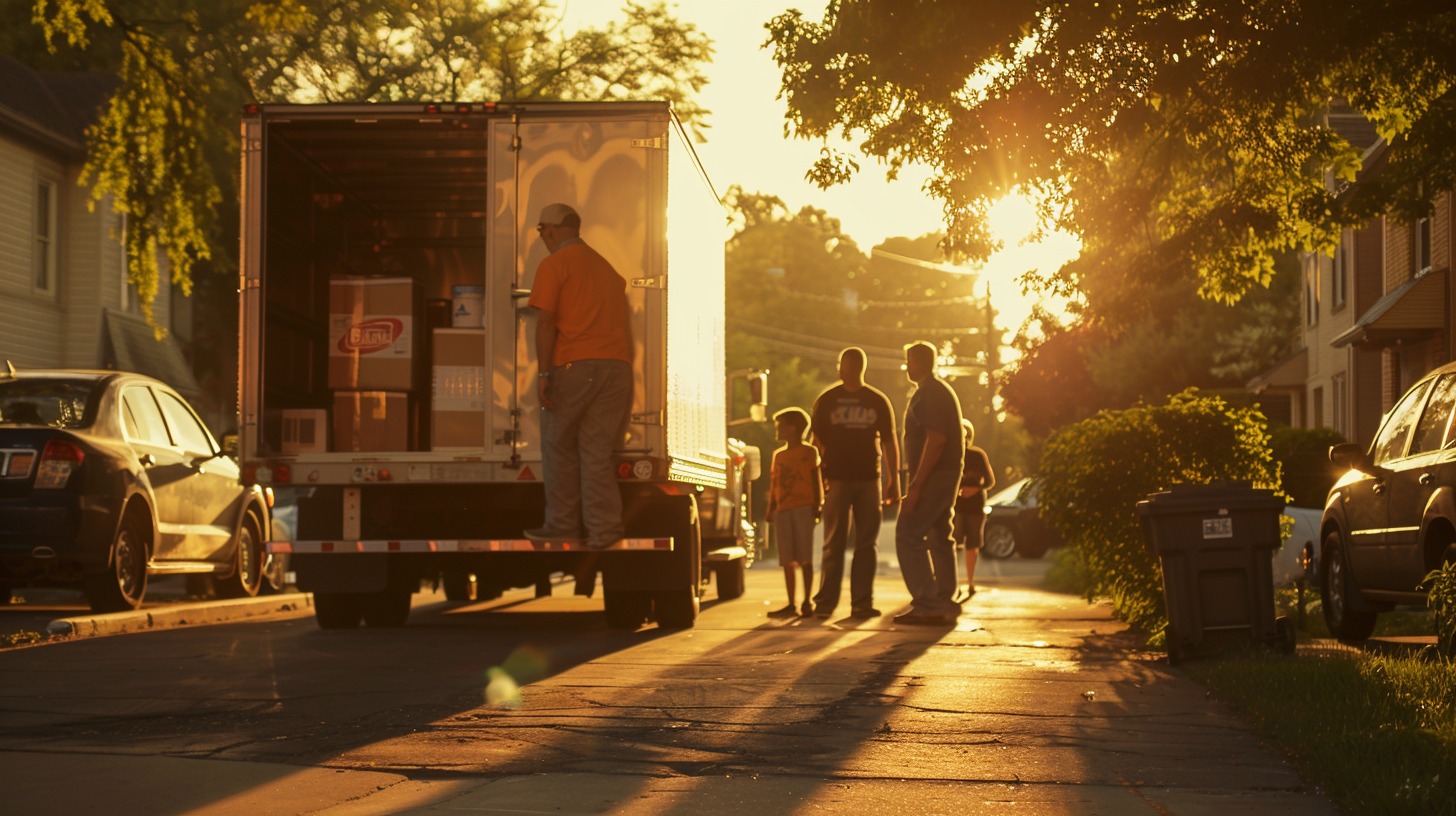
x: 338, y: 610
x: 123, y: 585
x: 998, y: 542
x: 1336, y: 596
x: 248, y: 555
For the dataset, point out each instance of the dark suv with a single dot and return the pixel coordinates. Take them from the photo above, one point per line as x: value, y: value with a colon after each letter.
x: 1392, y: 518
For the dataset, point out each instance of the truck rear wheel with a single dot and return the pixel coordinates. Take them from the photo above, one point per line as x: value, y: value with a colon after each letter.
x: 458, y: 585
x: 627, y: 609
x: 676, y: 608
x: 338, y: 610
x: 731, y: 578
x: 387, y: 609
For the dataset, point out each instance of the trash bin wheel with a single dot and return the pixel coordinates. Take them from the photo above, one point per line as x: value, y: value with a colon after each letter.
x: 1284, y: 634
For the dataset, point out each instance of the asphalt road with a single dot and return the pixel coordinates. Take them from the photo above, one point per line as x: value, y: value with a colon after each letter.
x: 1034, y: 703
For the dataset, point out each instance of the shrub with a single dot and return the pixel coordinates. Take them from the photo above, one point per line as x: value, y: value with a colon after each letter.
x: 1303, y: 455
x: 1441, y: 601
x: 1095, y: 471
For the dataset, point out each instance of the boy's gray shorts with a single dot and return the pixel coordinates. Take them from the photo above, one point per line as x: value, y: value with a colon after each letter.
x: 795, y: 529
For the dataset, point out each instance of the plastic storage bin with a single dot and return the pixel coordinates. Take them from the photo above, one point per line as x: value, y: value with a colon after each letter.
x: 1216, y: 543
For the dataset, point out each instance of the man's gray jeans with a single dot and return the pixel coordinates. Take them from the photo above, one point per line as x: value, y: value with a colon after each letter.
x: 592, y: 398
x: 924, y: 547
x: 845, y: 499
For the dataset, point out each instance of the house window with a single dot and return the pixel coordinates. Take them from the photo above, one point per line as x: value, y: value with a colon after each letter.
x: 44, y: 278
x: 1339, y: 394
x: 129, y: 299
x: 1340, y: 275
x: 1423, y: 246
x: 1311, y: 293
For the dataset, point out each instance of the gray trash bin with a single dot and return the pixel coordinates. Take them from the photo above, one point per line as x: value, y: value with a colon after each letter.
x: 1216, y: 543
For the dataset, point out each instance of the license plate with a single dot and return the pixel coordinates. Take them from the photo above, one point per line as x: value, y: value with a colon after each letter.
x: 1218, y: 528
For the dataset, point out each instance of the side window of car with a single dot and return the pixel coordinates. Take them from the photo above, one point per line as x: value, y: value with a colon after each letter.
x: 147, y: 416
x: 190, y: 434
x: 1431, y: 430
x: 1390, y: 444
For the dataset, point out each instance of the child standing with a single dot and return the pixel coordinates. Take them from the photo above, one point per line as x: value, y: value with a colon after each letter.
x: 977, y: 479
x: 795, y: 497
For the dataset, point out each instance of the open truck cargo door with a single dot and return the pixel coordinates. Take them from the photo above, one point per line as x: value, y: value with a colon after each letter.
x: 599, y: 167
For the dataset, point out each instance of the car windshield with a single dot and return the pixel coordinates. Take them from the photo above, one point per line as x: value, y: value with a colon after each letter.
x: 57, y: 403
x: 1011, y: 495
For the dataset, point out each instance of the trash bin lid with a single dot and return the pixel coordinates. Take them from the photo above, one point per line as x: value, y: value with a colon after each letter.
x: 1192, y: 498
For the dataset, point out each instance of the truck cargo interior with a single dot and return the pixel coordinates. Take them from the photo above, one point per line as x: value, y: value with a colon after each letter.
x: 387, y: 223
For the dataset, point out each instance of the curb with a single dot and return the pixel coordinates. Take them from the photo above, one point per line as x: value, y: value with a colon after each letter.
x: 192, y: 614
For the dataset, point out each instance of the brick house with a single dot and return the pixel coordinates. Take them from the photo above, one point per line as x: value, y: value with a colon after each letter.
x: 64, y: 299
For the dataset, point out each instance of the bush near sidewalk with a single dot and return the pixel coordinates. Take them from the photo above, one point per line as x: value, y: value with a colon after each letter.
x: 1377, y: 732
x: 1441, y: 601
x: 1094, y: 472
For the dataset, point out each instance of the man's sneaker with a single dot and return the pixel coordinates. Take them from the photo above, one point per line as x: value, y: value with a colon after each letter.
x: 864, y: 613
x: 546, y: 536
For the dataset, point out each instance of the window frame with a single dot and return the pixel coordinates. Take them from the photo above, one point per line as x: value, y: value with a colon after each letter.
x: 1421, y: 246
x: 1340, y: 275
x: 50, y: 218
x: 122, y: 394
x: 1418, y: 408
x: 187, y: 412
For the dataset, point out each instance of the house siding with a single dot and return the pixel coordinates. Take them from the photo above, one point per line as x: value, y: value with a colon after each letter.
x: 28, y: 319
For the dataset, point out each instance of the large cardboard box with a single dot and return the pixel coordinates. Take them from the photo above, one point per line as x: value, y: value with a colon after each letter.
x: 305, y: 430
x: 373, y: 334
x: 459, y: 400
x: 370, y: 421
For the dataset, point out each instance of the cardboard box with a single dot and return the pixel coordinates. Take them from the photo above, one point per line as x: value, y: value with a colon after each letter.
x: 370, y: 421
x: 459, y: 397
x: 305, y: 430
x: 373, y: 334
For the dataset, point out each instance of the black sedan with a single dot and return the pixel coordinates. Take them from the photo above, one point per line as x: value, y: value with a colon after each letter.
x: 1014, y: 525
x: 107, y: 478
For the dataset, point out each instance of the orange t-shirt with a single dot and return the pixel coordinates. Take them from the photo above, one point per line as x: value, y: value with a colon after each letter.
x: 793, y: 476
x: 589, y: 299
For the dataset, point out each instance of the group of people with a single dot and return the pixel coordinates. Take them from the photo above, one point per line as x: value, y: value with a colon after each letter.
x: 839, y: 478
x: 583, y: 343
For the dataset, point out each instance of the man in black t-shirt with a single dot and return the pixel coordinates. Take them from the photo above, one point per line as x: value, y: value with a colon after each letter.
x: 935, y: 451
x: 853, y: 425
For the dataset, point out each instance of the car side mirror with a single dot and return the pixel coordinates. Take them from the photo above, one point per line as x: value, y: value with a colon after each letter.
x: 230, y: 446
x: 1349, y: 455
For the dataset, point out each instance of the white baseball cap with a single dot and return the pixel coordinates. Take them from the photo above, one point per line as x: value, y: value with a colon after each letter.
x: 556, y: 214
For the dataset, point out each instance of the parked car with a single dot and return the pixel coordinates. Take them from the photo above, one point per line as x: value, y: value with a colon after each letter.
x: 1298, y: 559
x: 107, y: 478
x: 1391, y: 519
x: 1014, y: 525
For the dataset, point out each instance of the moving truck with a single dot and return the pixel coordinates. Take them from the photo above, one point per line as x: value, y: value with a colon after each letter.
x: 387, y: 371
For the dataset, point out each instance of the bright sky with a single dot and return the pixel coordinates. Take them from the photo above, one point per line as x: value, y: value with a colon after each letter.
x: 746, y: 146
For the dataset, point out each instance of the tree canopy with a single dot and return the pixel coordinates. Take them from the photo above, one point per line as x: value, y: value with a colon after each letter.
x: 1172, y: 137
x: 165, y: 148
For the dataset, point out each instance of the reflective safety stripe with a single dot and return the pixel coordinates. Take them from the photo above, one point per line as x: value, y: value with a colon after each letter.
x: 1382, y: 530
x: 473, y: 545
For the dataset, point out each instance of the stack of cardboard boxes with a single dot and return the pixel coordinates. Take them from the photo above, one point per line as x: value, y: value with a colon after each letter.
x: 375, y: 356
x: 373, y: 342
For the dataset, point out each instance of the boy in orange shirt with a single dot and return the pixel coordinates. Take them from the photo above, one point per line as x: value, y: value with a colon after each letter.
x: 795, y: 497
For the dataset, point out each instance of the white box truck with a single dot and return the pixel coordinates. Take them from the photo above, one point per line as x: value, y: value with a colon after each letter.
x: 387, y: 376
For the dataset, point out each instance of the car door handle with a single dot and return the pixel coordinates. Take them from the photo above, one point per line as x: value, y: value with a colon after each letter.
x: 1426, y: 478
x: 147, y: 460
x: 1378, y: 487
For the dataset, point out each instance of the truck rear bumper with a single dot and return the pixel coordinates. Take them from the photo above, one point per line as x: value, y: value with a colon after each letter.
x: 459, y: 546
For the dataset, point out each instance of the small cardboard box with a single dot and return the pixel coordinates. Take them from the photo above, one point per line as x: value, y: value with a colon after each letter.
x: 305, y: 430
x: 459, y: 398
x: 370, y: 421
x: 373, y: 334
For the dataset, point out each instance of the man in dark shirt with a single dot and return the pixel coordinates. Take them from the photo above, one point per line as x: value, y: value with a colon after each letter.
x: 853, y: 425
x: 934, y: 450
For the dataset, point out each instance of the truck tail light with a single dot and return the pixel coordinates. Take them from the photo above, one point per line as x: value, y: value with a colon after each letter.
x: 432, y: 109
x: 57, y: 463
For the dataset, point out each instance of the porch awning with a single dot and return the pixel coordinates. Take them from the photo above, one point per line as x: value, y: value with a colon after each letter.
x: 1287, y: 376
x: 1415, y: 311
x: 129, y: 344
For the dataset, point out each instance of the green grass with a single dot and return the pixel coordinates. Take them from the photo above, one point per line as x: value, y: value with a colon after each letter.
x: 1378, y: 733
x: 1068, y: 573
x: 1397, y: 623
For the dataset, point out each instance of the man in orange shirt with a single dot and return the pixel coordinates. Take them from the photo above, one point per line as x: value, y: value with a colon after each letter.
x: 584, y: 352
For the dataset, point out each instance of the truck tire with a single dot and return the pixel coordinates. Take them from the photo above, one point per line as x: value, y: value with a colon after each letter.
x: 387, y: 609
x: 626, y: 609
x: 458, y: 585
x: 676, y: 608
x: 732, y: 576
x: 338, y: 610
